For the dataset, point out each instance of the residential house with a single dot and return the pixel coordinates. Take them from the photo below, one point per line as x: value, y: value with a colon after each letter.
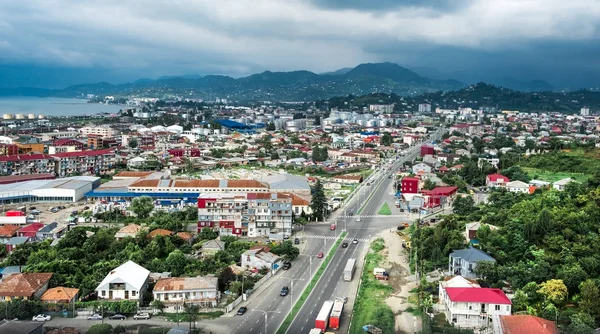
x: 14, y: 242
x: 7, y: 232
x: 518, y: 187
x: 422, y: 168
x: 174, y: 291
x: 211, y: 247
x: 186, y: 236
x: 60, y: 295
x: 464, y: 261
x: 128, y: 231
x: 471, y: 231
x: 517, y: 324
x: 51, y: 231
x: 127, y: 281
x: 159, y: 231
x: 492, y: 160
x: 24, y: 285
x: 496, y: 181
x: 561, y: 184
x: 454, y: 282
x: 432, y: 161
x: 30, y: 230
x: 472, y: 307
x: 259, y: 257
x: 299, y: 204
x: 65, y: 145
x: 410, y: 185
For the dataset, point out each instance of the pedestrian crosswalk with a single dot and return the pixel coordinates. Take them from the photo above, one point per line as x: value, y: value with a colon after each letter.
x: 332, y: 238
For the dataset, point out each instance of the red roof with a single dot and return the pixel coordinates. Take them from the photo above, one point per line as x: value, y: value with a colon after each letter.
x: 24, y: 157
x: 27, y: 177
x: 441, y: 191
x: 66, y: 141
x: 84, y: 153
x: 33, y: 227
x: 516, y: 324
x: 497, y: 177
x: 478, y: 295
x: 443, y: 169
x: 409, y: 178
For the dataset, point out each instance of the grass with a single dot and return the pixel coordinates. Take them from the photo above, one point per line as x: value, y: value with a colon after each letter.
x: 370, y: 307
x: 548, y: 176
x: 385, y: 210
x: 288, y: 320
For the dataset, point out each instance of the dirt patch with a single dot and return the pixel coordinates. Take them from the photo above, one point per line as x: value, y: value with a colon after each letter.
x: 400, y: 279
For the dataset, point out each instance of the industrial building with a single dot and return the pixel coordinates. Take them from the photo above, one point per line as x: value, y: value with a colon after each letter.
x: 69, y: 189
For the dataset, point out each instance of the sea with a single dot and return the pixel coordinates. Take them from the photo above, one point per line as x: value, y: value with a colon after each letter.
x: 53, y: 107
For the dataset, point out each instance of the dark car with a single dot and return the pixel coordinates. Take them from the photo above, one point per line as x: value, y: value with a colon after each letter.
x: 117, y: 317
x: 286, y: 265
x: 284, y: 291
x: 242, y: 310
x: 344, y: 245
x: 297, y: 241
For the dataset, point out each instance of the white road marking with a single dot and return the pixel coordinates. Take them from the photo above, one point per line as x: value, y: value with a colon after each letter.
x: 257, y: 321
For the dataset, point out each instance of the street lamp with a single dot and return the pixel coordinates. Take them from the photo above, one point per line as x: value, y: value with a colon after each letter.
x: 266, y: 319
x: 292, y: 290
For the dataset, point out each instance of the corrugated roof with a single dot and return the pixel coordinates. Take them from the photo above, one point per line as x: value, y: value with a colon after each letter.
x: 159, y: 231
x: 517, y: 324
x: 472, y: 255
x: 245, y: 184
x: 8, y: 231
x: 145, y: 183
x: 132, y: 174
x: 478, y: 295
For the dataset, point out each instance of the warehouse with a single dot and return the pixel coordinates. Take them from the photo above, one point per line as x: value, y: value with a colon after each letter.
x: 69, y: 189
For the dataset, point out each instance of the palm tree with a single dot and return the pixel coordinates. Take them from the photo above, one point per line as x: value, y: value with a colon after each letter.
x: 192, y: 312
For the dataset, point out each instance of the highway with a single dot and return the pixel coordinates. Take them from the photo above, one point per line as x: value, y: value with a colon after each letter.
x: 331, y: 284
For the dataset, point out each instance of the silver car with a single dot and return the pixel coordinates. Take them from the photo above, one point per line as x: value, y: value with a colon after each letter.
x: 95, y: 316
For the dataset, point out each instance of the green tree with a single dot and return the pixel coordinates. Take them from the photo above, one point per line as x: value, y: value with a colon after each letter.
x: 319, y: 201
x: 463, y: 205
x: 100, y: 329
x: 225, y: 278
x: 192, y: 312
x: 386, y: 139
x: 589, y: 301
x: 428, y: 184
x: 176, y: 262
x: 270, y: 126
x: 555, y: 291
x: 132, y: 142
x: 142, y: 206
x: 286, y: 250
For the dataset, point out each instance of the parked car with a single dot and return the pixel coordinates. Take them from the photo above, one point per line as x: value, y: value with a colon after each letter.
x: 284, y: 291
x: 95, y: 316
x: 32, y: 208
x: 41, y: 317
x: 86, y: 208
x: 320, y: 255
x: 344, y: 245
x: 142, y: 315
x: 297, y: 241
x: 286, y: 265
x: 242, y: 310
x: 117, y: 317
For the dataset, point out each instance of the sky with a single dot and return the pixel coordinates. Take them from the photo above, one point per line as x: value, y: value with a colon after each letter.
x: 60, y: 42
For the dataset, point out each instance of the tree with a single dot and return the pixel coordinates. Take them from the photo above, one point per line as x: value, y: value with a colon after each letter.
x: 478, y: 144
x: 386, y: 139
x: 270, y: 126
x: 142, y: 206
x: 100, y: 329
x: 192, y: 311
x: 319, y: 201
x: 428, y: 184
x: 464, y: 205
x: 555, y: 291
x: 590, y: 298
x: 317, y: 120
x: 133, y: 142
x: 176, y: 262
x: 286, y: 250
x: 207, y: 234
x: 225, y: 278
x: 158, y: 305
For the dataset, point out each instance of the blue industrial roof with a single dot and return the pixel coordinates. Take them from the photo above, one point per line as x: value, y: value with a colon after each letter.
x: 158, y: 195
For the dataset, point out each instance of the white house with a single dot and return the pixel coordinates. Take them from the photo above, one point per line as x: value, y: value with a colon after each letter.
x: 517, y: 187
x: 421, y: 169
x: 496, y: 181
x: 560, y: 184
x: 127, y: 281
x: 454, y: 282
x: 174, y: 291
x: 472, y: 307
x: 259, y: 257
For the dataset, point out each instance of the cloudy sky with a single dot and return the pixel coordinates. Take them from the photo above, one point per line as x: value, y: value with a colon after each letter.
x: 470, y: 40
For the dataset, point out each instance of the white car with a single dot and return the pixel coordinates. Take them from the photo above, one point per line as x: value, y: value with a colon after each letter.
x: 42, y: 317
x: 142, y: 315
x: 358, y: 219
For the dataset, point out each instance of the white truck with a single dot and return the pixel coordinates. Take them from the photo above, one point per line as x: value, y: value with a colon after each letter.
x: 349, y: 269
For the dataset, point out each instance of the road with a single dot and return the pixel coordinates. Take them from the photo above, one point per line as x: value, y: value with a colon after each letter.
x: 370, y: 198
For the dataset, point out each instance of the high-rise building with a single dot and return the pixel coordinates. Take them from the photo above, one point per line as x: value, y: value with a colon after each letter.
x: 424, y: 107
x: 585, y: 111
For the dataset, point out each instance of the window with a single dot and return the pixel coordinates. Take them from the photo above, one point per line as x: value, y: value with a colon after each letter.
x: 497, y: 307
x: 133, y: 292
x: 103, y: 293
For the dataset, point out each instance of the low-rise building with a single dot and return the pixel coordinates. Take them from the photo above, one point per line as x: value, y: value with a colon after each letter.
x: 496, y: 181
x: 128, y: 281
x: 518, y: 187
x: 259, y: 257
x: 174, y: 291
x: 473, y: 307
x: 60, y: 295
x: 464, y: 261
x: 24, y: 285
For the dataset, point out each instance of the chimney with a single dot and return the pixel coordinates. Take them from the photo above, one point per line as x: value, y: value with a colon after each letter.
x: 544, y: 325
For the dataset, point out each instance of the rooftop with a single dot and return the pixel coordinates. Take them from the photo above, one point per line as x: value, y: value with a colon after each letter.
x: 478, y: 295
x: 23, y: 284
x: 186, y: 283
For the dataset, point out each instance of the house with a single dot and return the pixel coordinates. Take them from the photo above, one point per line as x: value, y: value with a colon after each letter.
x: 127, y: 281
x: 7, y: 232
x: 472, y: 307
x: 174, y: 291
x: 159, y: 231
x: 21, y: 327
x: 259, y: 257
x: 439, y: 196
x: 471, y: 231
x: 561, y: 184
x: 518, y: 187
x: 30, y: 230
x: 186, y: 236
x: 12, y: 243
x: 455, y: 282
x: 211, y: 247
x: 24, y: 285
x: 516, y: 324
x: 300, y: 204
x: 128, y: 231
x: 496, y: 181
x: 422, y: 169
x: 410, y: 185
x: 463, y: 262
x: 539, y: 183
x: 60, y: 295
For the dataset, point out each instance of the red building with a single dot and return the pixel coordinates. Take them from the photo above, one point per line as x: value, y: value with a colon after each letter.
x: 9, y: 149
x: 438, y: 195
x: 410, y: 185
x: 425, y: 149
x: 30, y: 230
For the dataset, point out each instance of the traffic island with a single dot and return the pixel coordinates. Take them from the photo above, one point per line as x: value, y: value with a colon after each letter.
x: 288, y: 320
x: 385, y: 210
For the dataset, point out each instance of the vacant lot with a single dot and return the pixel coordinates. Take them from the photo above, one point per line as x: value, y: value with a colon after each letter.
x: 548, y: 176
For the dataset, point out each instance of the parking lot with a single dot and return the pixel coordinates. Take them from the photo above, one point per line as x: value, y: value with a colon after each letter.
x: 47, y: 216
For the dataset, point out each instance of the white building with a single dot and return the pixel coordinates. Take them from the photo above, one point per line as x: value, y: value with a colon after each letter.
x: 103, y: 131
x: 561, y: 184
x: 127, y: 281
x: 424, y: 107
x: 259, y: 257
x: 472, y: 307
x: 585, y: 111
x: 517, y: 187
x: 174, y: 291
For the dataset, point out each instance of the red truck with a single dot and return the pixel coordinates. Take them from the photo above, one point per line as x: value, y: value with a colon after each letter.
x: 322, y: 320
x: 15, y: 213
x: 336, y: 314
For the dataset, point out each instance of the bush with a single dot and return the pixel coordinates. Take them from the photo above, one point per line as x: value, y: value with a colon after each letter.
x: 100, y: 329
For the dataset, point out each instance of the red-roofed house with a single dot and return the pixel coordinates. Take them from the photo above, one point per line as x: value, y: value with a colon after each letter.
x: 517, y: 324
x: 496, y: 181
x: 30, y: 230
x: 438, y: 196
x: 474, y: 307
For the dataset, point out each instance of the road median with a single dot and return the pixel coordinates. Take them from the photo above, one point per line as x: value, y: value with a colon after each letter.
x: 313, y: 282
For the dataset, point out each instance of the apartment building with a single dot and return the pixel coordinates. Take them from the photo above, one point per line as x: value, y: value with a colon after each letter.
x: 27, y: 164
x: 103, y: 131
x: 247, y: 215
x: 85, y: 162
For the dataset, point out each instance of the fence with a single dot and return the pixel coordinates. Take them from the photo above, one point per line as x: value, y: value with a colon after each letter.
x: 235, y: 303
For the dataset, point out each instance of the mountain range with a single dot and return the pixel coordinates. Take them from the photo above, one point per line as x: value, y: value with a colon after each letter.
x: 274, y: 86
